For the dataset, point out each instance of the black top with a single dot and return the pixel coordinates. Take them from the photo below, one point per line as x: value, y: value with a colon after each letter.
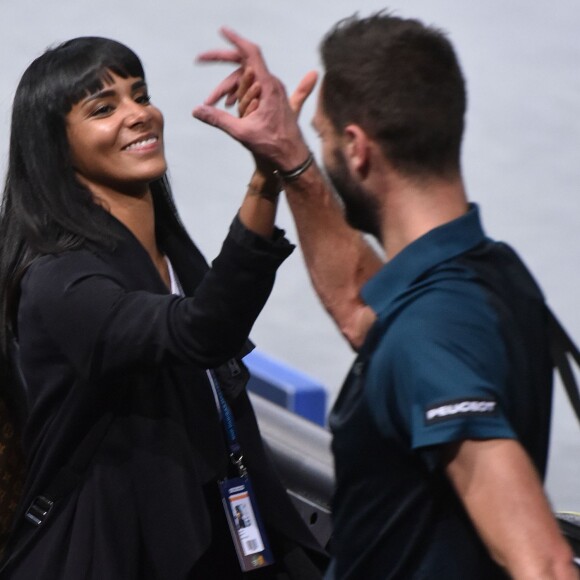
x: 103, y: 341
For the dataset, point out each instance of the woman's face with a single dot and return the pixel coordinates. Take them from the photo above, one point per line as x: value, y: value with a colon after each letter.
x: 116, y: 138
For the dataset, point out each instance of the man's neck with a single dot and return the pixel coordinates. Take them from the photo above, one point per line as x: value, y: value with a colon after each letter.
x: 412, y: 208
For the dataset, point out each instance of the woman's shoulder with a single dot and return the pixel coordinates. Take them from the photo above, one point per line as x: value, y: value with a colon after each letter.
x: 67, y: 265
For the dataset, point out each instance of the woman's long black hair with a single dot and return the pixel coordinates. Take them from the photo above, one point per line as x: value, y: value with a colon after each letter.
x: 44, y: 208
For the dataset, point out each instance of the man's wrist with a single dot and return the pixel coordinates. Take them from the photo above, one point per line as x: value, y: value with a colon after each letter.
x: 292, y: 152
x: 289, y: 175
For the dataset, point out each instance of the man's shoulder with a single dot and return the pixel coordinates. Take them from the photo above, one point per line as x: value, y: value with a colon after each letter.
x: 471, y: 287
x: 449, y: 313
x: 449, y: 293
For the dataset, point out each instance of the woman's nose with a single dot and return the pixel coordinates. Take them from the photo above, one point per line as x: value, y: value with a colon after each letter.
x: 137, y: 113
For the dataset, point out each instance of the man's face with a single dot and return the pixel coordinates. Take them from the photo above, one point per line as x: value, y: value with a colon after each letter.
x: 361, y: 208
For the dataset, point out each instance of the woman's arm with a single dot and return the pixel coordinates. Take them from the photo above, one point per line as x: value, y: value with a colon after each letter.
x: 258, y: 210
x: 104, y: 314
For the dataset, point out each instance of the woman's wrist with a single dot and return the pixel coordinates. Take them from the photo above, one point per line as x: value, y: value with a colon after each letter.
x: 265, y: 184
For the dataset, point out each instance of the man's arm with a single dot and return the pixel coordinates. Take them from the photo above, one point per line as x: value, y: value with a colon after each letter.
x: 504, y: 498
x: 337, y: 256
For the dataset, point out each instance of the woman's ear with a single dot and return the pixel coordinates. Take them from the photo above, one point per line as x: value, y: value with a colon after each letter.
x: 356, y: 148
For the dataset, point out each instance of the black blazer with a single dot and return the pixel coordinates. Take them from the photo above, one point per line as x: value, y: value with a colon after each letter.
x: 103, y: 341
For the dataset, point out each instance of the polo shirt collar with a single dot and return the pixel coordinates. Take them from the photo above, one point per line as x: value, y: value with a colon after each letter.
x: 436, y: 246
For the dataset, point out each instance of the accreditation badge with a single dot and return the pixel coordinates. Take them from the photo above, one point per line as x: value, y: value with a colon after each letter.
x: 245, y: 524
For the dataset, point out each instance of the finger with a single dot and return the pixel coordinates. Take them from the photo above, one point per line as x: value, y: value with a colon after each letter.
x: 231, y: 99
x: 248, y: 97
x: 226, y: 87
x: 220, y: 55
x: 303, y: 91
x: 217, y: 118
x: 252, y: 106
x: 245, y: 82
x: 250, y: 52
x: 244, y: 85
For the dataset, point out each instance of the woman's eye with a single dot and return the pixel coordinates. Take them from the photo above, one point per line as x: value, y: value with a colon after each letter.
x: 143, y: 99
x: 101, y: 110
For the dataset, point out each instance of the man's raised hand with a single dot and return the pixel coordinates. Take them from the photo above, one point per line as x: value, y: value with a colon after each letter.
x: 268, y: 123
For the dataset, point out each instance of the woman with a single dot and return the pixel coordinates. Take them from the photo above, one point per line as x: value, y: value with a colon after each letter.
x: 111, y: 318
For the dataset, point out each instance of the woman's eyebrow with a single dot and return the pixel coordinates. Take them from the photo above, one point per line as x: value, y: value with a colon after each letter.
x: 99, y: 95
x: 109, y: 92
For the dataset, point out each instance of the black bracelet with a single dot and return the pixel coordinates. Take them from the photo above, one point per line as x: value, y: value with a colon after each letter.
x: 295, y: 173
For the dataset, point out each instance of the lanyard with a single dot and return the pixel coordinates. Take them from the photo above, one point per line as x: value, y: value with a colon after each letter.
x: 228, y: 426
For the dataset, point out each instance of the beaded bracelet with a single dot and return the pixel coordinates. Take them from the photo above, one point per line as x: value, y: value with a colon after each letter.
x: 295, y: 173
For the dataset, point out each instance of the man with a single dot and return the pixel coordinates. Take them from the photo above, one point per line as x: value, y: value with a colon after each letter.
x: 440, y: 432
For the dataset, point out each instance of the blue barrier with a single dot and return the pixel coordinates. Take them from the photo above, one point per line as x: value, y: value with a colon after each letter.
x: 286, y: 387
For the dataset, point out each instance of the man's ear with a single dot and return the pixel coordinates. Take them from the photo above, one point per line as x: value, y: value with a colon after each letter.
x: 357, y: 149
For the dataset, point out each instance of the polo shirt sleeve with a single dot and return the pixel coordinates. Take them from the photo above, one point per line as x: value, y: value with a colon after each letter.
x: 440, y: 372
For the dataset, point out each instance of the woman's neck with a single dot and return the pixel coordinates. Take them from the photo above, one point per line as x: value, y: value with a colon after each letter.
x: 137, y: 214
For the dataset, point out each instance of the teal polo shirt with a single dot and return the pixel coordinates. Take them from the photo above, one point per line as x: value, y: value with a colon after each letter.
x: 444, y: 349
x: 459, y: 350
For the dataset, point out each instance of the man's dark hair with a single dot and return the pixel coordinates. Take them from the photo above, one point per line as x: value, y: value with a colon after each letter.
x: 401, y: 82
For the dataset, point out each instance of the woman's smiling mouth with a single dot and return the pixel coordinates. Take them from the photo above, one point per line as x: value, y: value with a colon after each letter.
x: 141, y: 144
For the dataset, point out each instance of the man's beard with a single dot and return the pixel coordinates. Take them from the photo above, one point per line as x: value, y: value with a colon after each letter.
x: 361, y: 209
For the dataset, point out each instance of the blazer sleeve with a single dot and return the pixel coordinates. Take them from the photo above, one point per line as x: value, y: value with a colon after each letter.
x: 82, y: 303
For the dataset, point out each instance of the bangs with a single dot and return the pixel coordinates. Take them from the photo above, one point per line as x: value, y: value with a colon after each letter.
x: 65, y: 74
x: 91, y: 70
